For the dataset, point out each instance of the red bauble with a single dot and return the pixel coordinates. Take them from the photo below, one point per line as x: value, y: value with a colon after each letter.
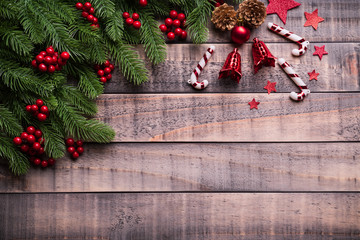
x: 41, y: 117
x: 34, y: 63
x: 108, y: 77
x: 129, y: 21
x: 51, y: 161
x: 103, y: 79
x: 126, y: 15
x: 36, y: 146
x: 171, y: 36
x: 143, y: 3
x: 183, y: 35
x: 107, y: 70
x: 75, y: 155
x: 42, y: 67
x: 37, y: 161
x: 31, y: 139
x: 137, y: 25
x: 163, y: 28
x: 90, y: 18
x: 168, y: 22
x: 173, y: 14
x: 84, y: 14
x: 176, y: 23
x: 44, y: 109
x: 44, y: 163
x: 101, y: 72
x: 70, y: 142
x: 240, y: 34
x: 65, y: 55
x: 39, y: 102
x: 181, y: 16
x: 17, y: 141
x: 39, y: 58
x: 87, y: 6
x: 135, y: 16
x: 80, y: 150
x: 51, y: 69
x: 34, y: 108
x: 79, y: 143
x: 38, y: 133
x: 79, y: 6
x: 91, y: 10
x: 71, y: 149
x: 30, y: 130
x: 24, y: 135
x: 178, y: 31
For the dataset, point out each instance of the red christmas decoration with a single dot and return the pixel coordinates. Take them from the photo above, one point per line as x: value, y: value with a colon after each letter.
x: 261, y: 55
x: 253, y: 104
x: 240, y: 34
x: 320, y: 51
x: 104, y: 71
x: 312, y: 19
x: 49, y: 60
x: 280, y: 7
x: 75, y: 149
x: 313, y: 75
x: 38, y: 110
x: 232, y: 66
x: 270, y: 87
x: 177, y: 22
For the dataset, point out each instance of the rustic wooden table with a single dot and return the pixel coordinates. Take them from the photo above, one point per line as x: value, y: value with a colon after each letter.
x: 201, y: 165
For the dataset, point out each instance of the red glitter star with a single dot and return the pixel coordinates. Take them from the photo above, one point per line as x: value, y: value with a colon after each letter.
x: 280, y: 7
x: 313, y: 75
x: 320, y: 51
x: 270, y: 87
x: 254, y: 104
x: 312, y: 19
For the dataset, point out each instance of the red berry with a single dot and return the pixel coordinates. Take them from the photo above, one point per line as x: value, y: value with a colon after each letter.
x: 183, y: 35
x: 90, y: 18
x: 31, y: 139
x: 38, y: 133
x: 217, y: 4
x: 24, y: 148
x: 40, y: 151
x: 44, y: 110
x: 126, y: 15
x: 42, y: 67
x: 87, y: 6
x: 65, y: 55
x: 17, y: 141
x: 80, y: 150
x: 43, y: 53
x: 39, y: 58
x: 107, y: 63
x: 79, y: 143
x: 51, y: 69
x: 108, y: 77
x: 54, y: 59
x: 37, y: 161
x: 168, y: 22
x: 135, y: 16
x: 31, y: 152
x: 176, y: 23
x: 91, y: 10
x: 75, y: 155
x: 61, y: 62
x: 129, y: 21
x: 95, y: 20
x: 100, y: 72
x: 39, y: 102
x: 183, y: 23
x: 103, y: 79
x: 181, y: 16
x: 30, y: 130
x: 24, y: 135
x: 171, y: 36
x: 50, y: 51
x: 84, y: 14
x: 32, y: 159
x: 112, y: 67
x: 44, y: 163
x: 178, y: 31
x: 36, y: 146
x: 41, y: 117
x: 57, y: 67
x: 71, y: 149
x: 47, y: 60
x: 28, y: 108
x: 69, y: 142
x: 41, y: 140
x: 173, y: 14
x: 79, y: 6
x: 137, y: 25
x: 143, y: 3
x: 97, y: 67
x: 107, y: 70
x: 34, y: 108
x: 163, y: 28
x: 34, y: 63
x: 51, y: 161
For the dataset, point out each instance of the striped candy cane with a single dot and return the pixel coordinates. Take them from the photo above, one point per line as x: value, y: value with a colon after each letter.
x: 293, y: 37
x: 195, y: 74
x: 297, y: 80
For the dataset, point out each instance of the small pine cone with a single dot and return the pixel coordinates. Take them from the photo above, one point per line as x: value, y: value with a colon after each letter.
x: 251, y: 13
x: 224, y: 17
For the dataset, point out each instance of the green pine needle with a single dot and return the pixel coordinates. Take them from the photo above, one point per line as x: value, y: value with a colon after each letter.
x: 9, y: 123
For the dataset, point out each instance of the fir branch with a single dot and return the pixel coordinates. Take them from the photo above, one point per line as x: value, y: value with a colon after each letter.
x: 78, y: 100
x: 15, y: 39
x: 103, y: 8
x: 9, y: 123
x: 8, y: 9
x: 115, y: 26
x: 54, y: 145
x: 131, y: 36
x: 160, y: 8
x: 197, y: 21
x: 97, y: 52
x: 66, y: 12
x: 89, y: 83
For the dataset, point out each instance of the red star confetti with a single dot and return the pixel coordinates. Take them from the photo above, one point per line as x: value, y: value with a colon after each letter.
x: 254, y: 104
x: 280, y: 7
x: 270, y: 87
x: 312, y: 19
x: 320, y: 51
x: 313, y: 75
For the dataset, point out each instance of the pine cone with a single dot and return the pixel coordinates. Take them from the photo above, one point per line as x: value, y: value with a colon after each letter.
x: 224, y: 17
x: 251, y: 13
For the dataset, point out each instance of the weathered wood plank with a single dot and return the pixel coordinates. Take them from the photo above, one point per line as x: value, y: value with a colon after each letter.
x: 339, y: 70
x: 226, y: 117
x: 180, y: 216
x: 197, y: 167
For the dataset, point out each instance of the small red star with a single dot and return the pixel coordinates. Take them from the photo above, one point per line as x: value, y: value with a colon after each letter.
x: 312, y: 19
x: 320, y: 51
x: 313, y: 75
x: 254, y: 104
x: 270, y: 87
x: 280, y: 7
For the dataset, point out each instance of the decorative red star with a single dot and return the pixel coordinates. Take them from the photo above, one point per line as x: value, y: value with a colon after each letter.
x: 280, y: 7
x: 312, y: 19
x: 313, y: 75
x: 254, y: 104
x: 320, y: 51
x: 270, y: 87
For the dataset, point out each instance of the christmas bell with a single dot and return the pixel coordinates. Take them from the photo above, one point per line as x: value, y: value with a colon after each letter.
x: 232, y: 66
x: 261, y: 55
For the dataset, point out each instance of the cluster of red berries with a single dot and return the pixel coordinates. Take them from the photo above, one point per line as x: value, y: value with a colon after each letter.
x: 132, y: 21
x: 38, y: 110
x: 87, y: 13
x: 104, y: 71
x: 177, y: 21
x: 31, y: 142
x: 74, y: 148
x: 50, y: 60
x: 143, y: 3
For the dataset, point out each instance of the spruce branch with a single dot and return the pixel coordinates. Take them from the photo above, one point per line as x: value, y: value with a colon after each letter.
x: 104, y: 8
x: 114, y: 27
x: 16, y: 40
x: 54, y: 145
x: 9, y: 123
x: 197, y: 21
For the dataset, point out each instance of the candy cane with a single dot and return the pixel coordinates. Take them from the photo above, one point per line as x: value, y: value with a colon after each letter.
x: 195, y: 74
x: 291, y: 36
x: 297, y: 80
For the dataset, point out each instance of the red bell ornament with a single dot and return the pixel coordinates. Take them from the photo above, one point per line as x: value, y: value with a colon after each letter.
x: 261, y: 55
x: 240, y: 34
x: 232, y: 66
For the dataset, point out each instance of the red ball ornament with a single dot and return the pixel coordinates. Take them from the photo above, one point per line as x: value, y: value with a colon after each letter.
x: 181, y: 16
x: 135, y: 16
x: 38, y: 133
x: 126, y: 15
x: 80, y: 150
x: 101, y: 72
x: 30, y: 130
x: 44, y: 163
x: 87, y: 6
x: 168, y: 22
x: 65, y: 55
x: 171, y: 36
x: 143, y: 3
x: 41, y: 117
x: 17, y: 141
x: 39, y: 58
x: 176, y: 23
x: 103, y: 79
x: 24, y: 136
x: 129, y: 21
x: 69, y: 142
x: 39, y: 102
x: 34, y: 63
x: 51, y: 161
x: 51, y: 69
x: 71, y: 149
x: 42, y: 67
x: 79, y: 6
x: 75, y: 155
x: 91, y: 10
x: 44, y: 109
x: 37, y: 161
x: 137, y: 25
x: 240, y: 34
x: 178, y: 31
x: 163, y: 28
x: 84, y: 14
x: 173, y: 14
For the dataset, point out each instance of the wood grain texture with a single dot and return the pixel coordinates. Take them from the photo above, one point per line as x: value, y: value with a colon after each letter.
x: 226, y: 117
x: 197, y: 167
x: 180, y: 216
x: 339, y: 70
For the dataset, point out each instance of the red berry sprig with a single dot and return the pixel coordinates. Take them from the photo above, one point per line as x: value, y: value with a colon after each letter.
x: 38, y: 110
x: 132, y: 21
x: 176, y: 21
x: 104, y: 71
x: 74, y: 148
x: 88, y: 13
x: 50, y: 61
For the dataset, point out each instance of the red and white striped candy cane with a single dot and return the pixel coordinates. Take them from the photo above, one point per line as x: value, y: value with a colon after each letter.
x: 291, y: 36
x: 297, y: 80
x: 195, y: 74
